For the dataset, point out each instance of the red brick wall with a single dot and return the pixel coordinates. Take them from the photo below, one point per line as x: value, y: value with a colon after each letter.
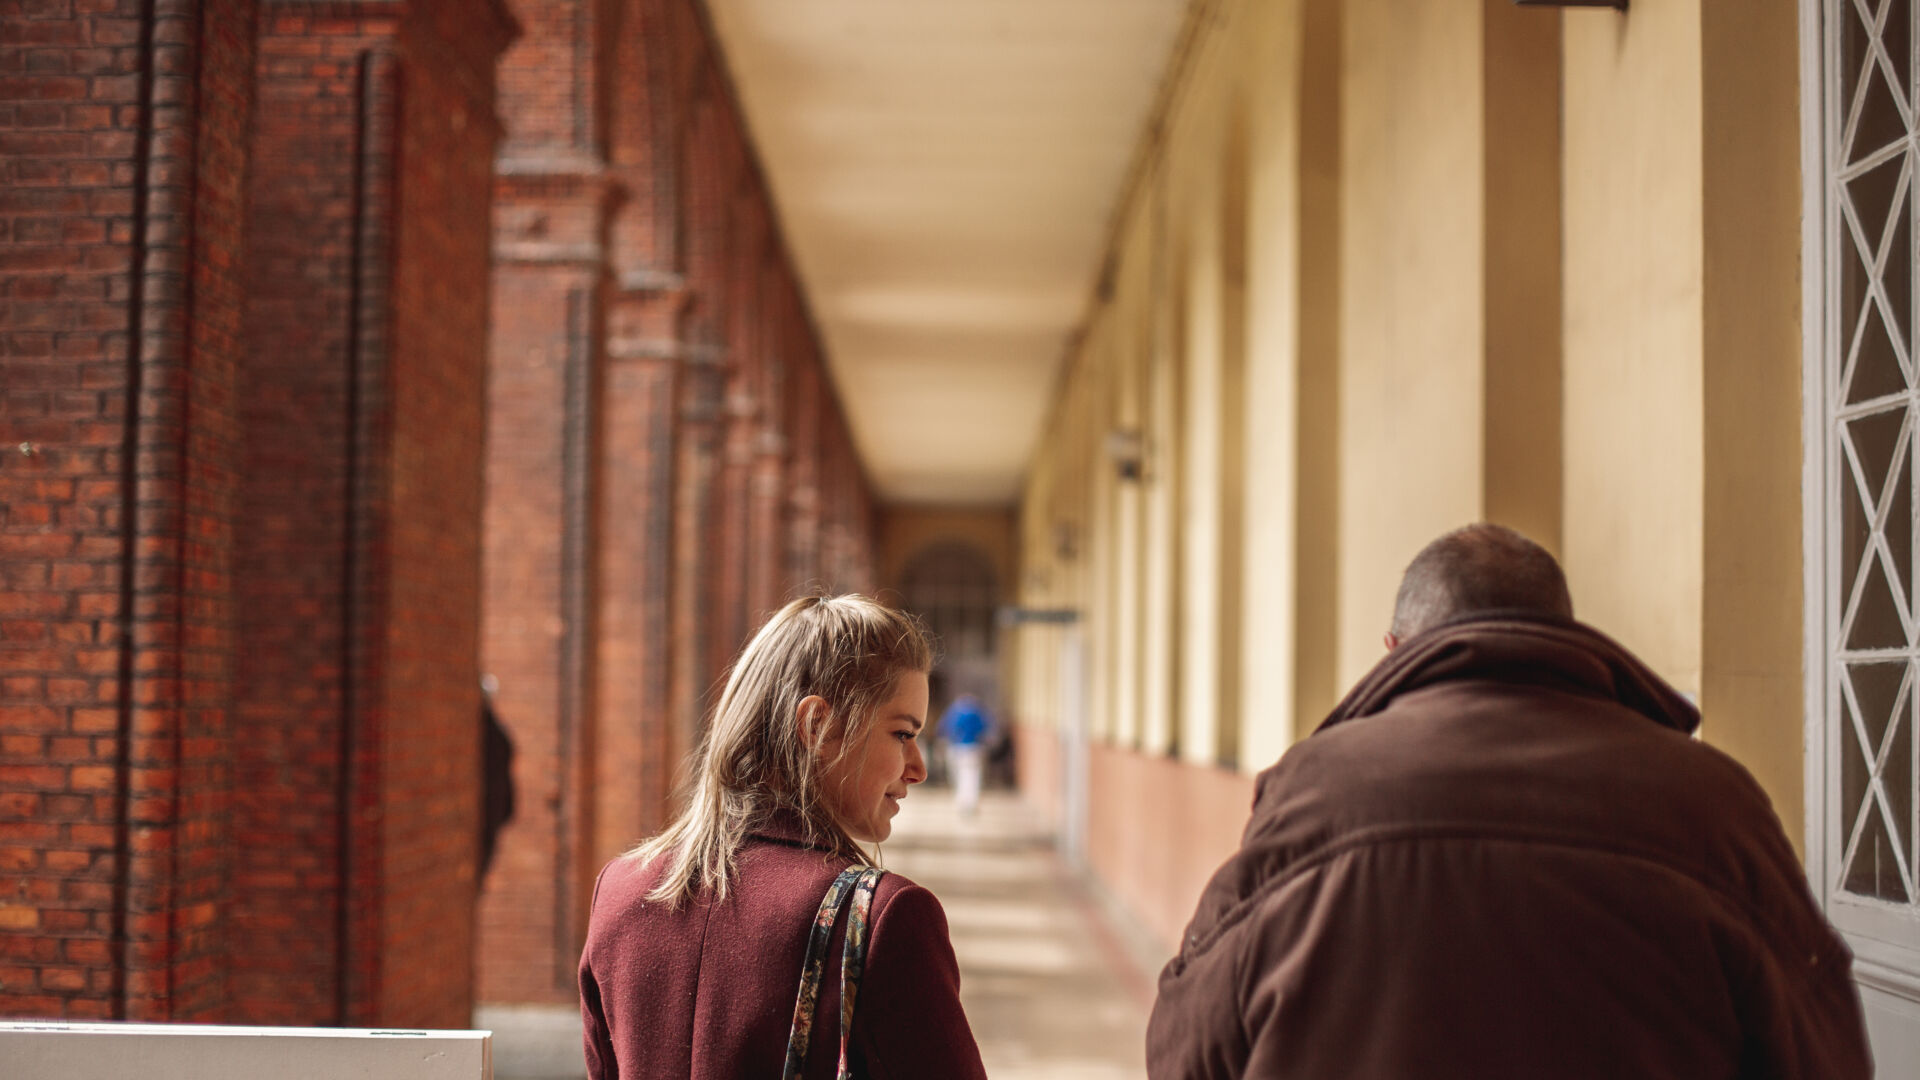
x: 245, y: 297
x: 540, y: 640
x: 199, y: 873
x: 430, y: 754
x: 294, y: 557
x: 121, y: 156
x: 67, y: 195
x: 176, y: 576
x: 536, y: 642
x: 360, y: 575
x: 701, y: 512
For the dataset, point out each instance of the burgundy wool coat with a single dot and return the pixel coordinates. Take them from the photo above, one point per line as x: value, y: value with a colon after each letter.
x: 1503, y: 857
x: 707, y: 992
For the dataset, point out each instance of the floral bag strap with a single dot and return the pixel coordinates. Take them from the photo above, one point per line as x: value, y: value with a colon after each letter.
x: 853, y: 960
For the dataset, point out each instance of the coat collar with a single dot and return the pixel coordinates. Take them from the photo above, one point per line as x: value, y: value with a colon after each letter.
x: 1519, y: 648
x: 787, y: 828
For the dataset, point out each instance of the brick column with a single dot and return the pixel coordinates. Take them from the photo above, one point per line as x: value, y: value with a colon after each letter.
x: 121, y: 167
x: 747, y: 312
x: 634, y: 765
x: 358, y: 566
x: 766, y: 494
x: 543, y: 515
x: 636, y: 758
x: 546, y: 484
x: 709, y: 177
x: 693, y: 667
x: 803, y: 476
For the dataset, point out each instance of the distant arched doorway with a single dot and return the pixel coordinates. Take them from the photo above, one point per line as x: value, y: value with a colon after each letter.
x: 952, y: 586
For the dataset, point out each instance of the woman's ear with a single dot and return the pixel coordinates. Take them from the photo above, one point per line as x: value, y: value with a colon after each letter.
x: 810, y: 714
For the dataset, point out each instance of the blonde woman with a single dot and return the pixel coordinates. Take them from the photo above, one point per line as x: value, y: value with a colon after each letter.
x: 697, y: 940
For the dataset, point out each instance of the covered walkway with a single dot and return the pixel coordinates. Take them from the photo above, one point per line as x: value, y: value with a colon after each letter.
x: 356, y: 356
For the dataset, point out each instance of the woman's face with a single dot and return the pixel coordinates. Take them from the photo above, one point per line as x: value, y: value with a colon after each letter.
x: 864, y: 787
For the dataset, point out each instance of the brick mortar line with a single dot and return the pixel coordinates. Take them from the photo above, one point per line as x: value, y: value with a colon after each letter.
x: 366, y: 363
x: 132, y: 519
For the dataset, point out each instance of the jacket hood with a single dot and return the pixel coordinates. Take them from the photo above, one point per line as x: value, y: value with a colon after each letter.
x: 1505, y: 648
x: 1516, y: 647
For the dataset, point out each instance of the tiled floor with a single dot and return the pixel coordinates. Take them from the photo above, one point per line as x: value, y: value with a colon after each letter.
x: 1045, y: 976
x: 1046, y: 983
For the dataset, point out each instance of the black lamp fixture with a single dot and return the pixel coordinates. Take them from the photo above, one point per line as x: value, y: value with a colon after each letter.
x: 1619, y: 4
x: 1127, y: 449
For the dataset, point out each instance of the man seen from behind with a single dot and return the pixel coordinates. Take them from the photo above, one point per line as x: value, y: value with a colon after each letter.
x: 1503, y: 856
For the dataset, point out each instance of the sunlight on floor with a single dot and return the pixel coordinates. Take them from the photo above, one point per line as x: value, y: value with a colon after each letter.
x: 1048, y: 995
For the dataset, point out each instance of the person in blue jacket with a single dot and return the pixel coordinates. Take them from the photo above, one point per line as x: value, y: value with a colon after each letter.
x: 965, y: 727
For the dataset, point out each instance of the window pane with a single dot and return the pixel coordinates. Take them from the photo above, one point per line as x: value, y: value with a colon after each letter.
x: 1896, y: 32
x: 1897, y: 269
x: 1855, y: 35
x: 1875, y: 871
x: 1876, y: 621
x: 1879, y: 122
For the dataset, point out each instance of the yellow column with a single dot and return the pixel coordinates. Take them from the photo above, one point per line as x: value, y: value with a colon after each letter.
x: 1634, y: 329
x: 1751, y: 609
x: 1411, y: 327
x: 1683, y: 360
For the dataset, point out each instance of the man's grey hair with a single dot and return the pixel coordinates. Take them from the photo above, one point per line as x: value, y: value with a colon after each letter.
x: 1479, y: 568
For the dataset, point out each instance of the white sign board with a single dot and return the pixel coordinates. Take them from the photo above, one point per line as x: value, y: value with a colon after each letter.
x: 52, y: 1050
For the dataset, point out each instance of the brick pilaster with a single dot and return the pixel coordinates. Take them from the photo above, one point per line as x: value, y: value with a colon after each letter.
x: 548, y: 477
x: 767, y: 462
x: 647, y: 336
x: 118, y: 294
x: 804, y: 476
x: 693, y: 666
x: 635, y: 764
x: 359, y: 547
x: 543, y: 522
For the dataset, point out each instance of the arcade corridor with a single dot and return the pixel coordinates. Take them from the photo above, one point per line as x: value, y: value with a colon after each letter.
x: 356, y: 355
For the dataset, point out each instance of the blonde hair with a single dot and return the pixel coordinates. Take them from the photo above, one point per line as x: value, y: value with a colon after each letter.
x: 755, y: 761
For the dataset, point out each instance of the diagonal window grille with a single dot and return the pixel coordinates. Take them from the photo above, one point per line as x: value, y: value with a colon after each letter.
x: 1871, y: 379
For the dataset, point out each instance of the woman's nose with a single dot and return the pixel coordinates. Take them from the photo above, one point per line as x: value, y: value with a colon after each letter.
x: 916, y: 763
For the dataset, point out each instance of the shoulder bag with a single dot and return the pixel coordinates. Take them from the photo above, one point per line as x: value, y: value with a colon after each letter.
x: 860, y: 880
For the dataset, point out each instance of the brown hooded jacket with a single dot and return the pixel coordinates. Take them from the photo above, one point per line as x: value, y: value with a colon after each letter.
x: 1503, y: 856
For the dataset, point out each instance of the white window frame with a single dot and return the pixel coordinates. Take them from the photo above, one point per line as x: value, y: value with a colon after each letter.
x: 1885, y: 937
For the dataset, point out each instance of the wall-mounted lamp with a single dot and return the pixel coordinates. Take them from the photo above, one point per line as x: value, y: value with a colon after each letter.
x: 1066, y: 541
x: 1619, y: 4
x: 1127, y: 449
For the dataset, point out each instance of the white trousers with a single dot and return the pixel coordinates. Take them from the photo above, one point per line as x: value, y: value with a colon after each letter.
x: 967, y: 763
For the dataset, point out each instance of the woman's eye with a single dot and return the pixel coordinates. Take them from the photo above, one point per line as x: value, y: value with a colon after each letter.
x: 907, y: 736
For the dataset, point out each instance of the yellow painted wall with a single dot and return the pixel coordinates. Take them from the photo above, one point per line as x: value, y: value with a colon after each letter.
x: 1634, y: 330
x: 1289, y: 493
x: 1195, y: 157
x: 1132, y: 328
x: 1390, y: 268
x: 1316, y: 458
x: 1164, y: 332
x: 1751, y: 611
x: 1522, y: 296
x: 1468, y: 293
x: 1411, y: 329
x: 1683, y: 361
x: 1316, y: 332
